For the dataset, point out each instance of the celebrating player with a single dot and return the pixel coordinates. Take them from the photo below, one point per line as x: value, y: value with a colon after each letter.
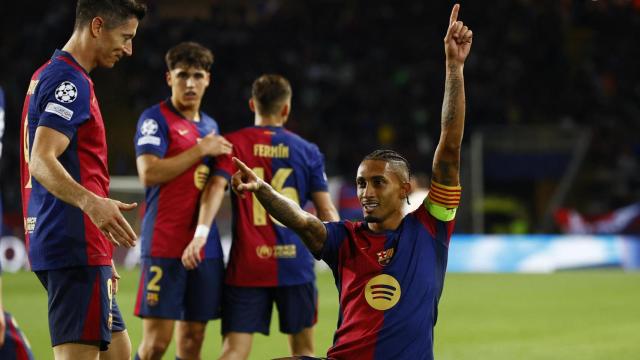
x: 389, y: 269
x: 175, y: 146
x: 70, y: 223
x: 268, y: 262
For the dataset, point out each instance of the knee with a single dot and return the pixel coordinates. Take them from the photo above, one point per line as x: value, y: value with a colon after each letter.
x: 153, y: 349
x: 191, y: 341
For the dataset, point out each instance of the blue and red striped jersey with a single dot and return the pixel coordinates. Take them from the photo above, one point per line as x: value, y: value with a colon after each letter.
x: 172, y: 208
x: 389, y: 285
x: 263, y: 252
x: 59, y: 235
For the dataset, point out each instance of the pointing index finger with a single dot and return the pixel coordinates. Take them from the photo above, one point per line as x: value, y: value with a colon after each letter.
x: 454, y: 14
x: 241, y: 165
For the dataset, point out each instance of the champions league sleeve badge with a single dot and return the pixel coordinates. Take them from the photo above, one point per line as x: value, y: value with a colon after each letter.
x: 66, y: 92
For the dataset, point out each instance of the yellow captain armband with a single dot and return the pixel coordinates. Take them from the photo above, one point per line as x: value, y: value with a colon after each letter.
x: 442, y: 201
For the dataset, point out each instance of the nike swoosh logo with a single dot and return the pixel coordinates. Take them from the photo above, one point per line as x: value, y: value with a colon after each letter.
x: 183, y: 132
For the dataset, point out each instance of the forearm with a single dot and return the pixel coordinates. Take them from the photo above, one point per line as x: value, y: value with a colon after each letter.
x: 159, y: 171
x: 308, y: 227
x: 324, y: 206
x: 50, y: 173
x: 211, y: 200
x: 446, y: 162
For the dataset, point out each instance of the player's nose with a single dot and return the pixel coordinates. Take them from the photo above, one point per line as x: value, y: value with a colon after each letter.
x: 128, y: 48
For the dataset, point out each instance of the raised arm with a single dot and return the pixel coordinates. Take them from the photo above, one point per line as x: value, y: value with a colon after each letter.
x: 308, y: 227
x: 446, y: 161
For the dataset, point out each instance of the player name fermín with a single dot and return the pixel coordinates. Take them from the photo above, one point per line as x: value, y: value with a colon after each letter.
x: 271, y: 151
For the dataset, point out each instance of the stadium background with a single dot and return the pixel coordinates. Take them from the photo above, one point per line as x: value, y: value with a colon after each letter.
x: 551, y: 146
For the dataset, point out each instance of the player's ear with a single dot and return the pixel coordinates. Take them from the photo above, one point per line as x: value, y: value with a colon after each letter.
x: 405, y: 189
x: 252, y: 105
x: 285, y: 110
x: 96, y: 25
x: 168, y: 77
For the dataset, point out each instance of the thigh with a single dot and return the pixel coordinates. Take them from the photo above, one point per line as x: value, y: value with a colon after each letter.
x: 15, y: 345
x: 203, y: 297
x: 297, y: 307
x: 80, y: 305
x: 246, y: 309
x: 161, y: 290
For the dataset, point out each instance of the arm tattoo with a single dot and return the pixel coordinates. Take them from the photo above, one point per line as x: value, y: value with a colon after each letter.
x: 310, y: 229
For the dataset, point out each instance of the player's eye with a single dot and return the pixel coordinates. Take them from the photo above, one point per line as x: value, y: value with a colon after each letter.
x: 198, y: 76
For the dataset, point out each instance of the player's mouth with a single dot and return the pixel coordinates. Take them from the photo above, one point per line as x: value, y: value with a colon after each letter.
x: 190, y: 95
x: 369, y: 206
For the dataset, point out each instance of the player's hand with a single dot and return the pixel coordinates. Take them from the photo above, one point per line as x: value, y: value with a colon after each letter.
x: 214, y: 145
x: 114, y: 278
x: 3, y: 327
x: 457, y: 42
x: 244, y: 179
x: 191, y: 255
x: 106, y: 214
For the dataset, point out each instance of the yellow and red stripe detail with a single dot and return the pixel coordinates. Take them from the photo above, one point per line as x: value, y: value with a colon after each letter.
x: 445, y: 196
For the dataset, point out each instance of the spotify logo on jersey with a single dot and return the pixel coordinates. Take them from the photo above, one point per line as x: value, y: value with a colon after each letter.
x: 382, y: 292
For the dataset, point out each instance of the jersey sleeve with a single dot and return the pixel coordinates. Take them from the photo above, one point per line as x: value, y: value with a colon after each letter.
x: 318, y: 176
x: 152, y: 135
x: 336, y: 233
x: 224, y: 165
x: 65, y: 102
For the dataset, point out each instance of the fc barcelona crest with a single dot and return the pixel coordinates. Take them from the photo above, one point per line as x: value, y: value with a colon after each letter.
x: 384, y: 257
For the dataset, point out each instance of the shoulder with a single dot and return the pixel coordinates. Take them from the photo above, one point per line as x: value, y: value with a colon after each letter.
x: 153, y: 114
x: 65, y: 81
x: 301, y: 142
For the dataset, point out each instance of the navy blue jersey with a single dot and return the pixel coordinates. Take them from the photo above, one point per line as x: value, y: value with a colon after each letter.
x: 172, y: 208
x: 59, y: 235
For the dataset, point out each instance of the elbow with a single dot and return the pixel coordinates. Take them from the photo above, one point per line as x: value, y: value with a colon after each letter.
x: 147, y: 179
x: 35, y: 167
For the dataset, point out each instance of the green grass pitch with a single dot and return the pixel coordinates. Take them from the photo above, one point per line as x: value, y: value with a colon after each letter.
x: 569, y: 315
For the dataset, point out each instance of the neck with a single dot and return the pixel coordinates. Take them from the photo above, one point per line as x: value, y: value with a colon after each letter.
x: 79, y: 47
x: 392, y: 222
x: 189, y: 112
x: 260, y: 120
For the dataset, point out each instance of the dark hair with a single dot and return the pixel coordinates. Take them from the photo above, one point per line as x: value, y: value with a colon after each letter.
x: 268, y: 92
x: 190, y: 54
x: 114, y: 12
x: 397, y: 161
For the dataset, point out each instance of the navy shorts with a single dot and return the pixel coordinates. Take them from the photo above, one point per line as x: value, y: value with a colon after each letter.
x: 82, y: 308
x: 16, y: 346
x: 248, y: 309
x: 168, y: 290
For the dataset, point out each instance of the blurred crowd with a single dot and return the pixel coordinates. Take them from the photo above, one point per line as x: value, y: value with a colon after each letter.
x: 369, y: 74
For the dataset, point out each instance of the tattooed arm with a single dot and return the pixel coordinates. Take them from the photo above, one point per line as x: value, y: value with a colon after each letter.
x: 308, y: 227
x: 446, y: 162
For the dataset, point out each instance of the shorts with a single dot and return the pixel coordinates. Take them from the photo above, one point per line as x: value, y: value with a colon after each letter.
x: 82, y: 308
x: 168, y: 290
x: 16, y: 346
x: 248, y: 309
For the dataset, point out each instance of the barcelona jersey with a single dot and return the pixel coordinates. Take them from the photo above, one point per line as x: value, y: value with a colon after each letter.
x: 389, y: 285
x: 59, y: 235
x: 264, y: 252
x: 171, y: 214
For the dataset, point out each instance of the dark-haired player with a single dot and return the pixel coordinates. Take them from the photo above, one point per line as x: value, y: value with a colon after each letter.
x: 70, y: 223
x: 268, y: 263
x: 175, y: 145
x: 389, y: 269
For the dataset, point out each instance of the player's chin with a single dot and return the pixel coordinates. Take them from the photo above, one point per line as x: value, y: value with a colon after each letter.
x: 371, y: 218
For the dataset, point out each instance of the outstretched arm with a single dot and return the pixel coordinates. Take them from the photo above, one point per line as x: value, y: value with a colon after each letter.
x: 308, y: 227
x: 457, y: 44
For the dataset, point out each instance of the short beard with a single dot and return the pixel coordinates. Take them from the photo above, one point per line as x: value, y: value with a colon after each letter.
x: 372, y: 219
